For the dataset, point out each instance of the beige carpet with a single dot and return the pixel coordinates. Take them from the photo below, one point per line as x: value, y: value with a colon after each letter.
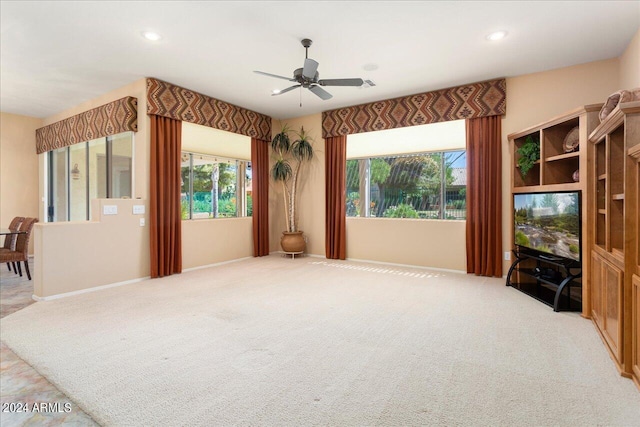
x: 281, y: 342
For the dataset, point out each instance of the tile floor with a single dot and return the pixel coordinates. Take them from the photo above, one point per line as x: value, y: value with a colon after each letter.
x: 21, y: 386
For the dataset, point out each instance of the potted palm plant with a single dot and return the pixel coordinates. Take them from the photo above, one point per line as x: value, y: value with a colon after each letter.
x: 290, y: 159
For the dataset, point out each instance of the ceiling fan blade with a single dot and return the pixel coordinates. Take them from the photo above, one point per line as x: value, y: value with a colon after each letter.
x: 310, y: 68
x: 320, y: 92
x: 274, y: 75
x: 341, y: 82
x: 286, y: 90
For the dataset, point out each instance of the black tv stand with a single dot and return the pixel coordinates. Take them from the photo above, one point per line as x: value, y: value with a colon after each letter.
x: 550, y: 258
x: 550, y: 279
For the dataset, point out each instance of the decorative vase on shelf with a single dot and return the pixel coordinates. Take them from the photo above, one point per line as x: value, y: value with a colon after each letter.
x: 576, y: 176
x: 572, y: 140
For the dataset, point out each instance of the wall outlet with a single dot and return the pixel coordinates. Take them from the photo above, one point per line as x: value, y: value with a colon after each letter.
x: 110, y: 210
x: 138, y: 209
x: 507, y: 256
x: 142, y: 222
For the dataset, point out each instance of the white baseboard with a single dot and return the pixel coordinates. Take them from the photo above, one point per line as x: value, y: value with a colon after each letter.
x: 422, y: 267
x: 84, y: 291
x: 216, y: 264
x: 382, y: 263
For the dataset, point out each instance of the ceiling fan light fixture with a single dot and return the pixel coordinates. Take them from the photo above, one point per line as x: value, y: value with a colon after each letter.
x: 276, y: 91
x: 497, y: 35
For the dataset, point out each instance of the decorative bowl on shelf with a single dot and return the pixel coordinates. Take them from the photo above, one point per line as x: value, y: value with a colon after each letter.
x: 572, y: 140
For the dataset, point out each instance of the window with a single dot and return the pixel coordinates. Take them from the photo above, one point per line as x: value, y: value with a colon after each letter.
x: 79, y: 173
x: 215, y: 187
x: 429, y: 185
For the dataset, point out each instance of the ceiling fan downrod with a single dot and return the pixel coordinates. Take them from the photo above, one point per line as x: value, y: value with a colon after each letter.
x: 306, y: 43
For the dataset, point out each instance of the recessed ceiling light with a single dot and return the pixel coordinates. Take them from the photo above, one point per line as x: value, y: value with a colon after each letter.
x: 370, y: 67
x: 150, y: 35
x: 497, y: 35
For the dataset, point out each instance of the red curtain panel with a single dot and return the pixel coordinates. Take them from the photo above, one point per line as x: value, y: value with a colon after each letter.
x: 260, y: 195
x: 165, y: 220
x: 335, y: 195
x: 484, y: 196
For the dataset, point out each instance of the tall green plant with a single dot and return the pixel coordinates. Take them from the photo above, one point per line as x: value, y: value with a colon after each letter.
x: 290, y: 157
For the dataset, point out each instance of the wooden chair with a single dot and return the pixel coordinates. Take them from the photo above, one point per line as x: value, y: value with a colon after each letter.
x: 10, y: 240
x: 21, y: 252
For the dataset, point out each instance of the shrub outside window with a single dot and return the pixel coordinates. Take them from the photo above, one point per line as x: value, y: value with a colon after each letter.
x: 215, y: 187
x: 427, y: 185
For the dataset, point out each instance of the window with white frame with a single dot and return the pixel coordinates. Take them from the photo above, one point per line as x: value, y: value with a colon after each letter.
x: 412, y: 172
x: 427, y: 185
x: 215, y: 187
x: 76, y: 174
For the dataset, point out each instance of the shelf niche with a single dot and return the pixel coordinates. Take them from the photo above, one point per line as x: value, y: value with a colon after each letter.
x: 532, y: 177
x: 562, y: 158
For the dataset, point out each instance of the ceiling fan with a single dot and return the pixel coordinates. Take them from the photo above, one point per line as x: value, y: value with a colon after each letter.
x: 308, y: 77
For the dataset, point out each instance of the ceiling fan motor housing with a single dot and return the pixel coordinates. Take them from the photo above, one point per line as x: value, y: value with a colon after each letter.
x: 305, y: 82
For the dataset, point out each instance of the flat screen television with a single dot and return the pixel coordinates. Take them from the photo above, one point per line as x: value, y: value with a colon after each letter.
x: 548, y: 223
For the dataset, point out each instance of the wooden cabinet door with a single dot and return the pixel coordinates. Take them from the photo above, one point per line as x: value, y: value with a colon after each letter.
x: 596, y: 290
x: 635, y: 330
x: 612, y: 307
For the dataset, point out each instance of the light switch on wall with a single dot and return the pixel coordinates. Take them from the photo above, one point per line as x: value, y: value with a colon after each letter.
x: 110, y: 210
x: 142, y: 222
x: 138, y: 209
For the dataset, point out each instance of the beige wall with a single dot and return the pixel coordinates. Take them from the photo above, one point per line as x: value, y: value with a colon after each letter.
x: 536, y: 98
x: 18, y: 168
x: 207, y: 140
x: 311, y: 195
x: 630, y: 64
x: 425, y: 243
x: 73, y: 256
x: 210, y: 241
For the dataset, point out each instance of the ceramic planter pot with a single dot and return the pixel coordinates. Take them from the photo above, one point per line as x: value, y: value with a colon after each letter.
x: 293, y: 241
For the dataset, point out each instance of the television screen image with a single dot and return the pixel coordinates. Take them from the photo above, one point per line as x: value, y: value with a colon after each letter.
x: 548, y: 222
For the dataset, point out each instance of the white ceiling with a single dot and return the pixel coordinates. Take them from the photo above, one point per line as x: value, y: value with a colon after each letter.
x: 57, y: 54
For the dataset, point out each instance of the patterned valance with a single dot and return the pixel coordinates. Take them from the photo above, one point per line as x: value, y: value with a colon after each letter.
x: 109, y: 119
x: 168, y: 100
x: 462, y: 102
